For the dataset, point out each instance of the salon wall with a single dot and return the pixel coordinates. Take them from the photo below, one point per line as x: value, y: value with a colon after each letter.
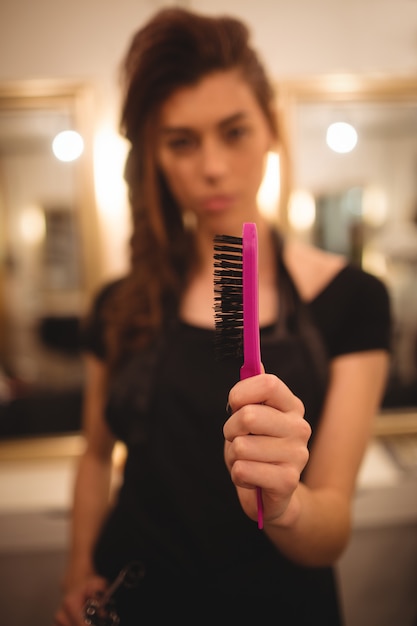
x: 85, y: 39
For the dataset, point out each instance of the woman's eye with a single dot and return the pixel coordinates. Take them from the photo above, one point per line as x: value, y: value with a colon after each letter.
x: 181, y: 144
x: 236, y: 133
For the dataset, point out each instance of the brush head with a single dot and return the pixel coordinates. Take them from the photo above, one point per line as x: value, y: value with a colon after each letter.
x: 228, y: 296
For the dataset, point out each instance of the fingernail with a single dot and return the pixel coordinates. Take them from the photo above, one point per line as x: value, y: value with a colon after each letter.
x: 229, y: 410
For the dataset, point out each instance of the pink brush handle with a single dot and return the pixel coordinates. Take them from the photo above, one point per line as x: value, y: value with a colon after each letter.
x: 251, y: 340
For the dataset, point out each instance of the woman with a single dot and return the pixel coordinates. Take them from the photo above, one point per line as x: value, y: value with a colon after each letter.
x: 198, y: 113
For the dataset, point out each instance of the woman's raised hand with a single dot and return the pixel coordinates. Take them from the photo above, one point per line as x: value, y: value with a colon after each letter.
x: 266, y: 440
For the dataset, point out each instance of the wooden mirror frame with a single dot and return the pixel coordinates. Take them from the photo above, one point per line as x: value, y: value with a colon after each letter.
x: 76, y: 99
x: 331, y: 88
x: 328, y: 89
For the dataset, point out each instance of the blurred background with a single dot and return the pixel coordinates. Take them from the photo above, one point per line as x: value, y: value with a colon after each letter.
x: 345, y: 179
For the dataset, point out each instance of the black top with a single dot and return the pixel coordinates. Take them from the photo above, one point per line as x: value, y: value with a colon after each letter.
x: 178, y: 511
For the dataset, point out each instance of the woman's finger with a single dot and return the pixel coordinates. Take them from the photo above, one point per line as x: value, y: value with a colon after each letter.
x: 264, y: 389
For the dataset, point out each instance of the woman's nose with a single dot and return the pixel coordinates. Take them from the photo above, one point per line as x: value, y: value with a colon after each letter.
x: 213, y: 159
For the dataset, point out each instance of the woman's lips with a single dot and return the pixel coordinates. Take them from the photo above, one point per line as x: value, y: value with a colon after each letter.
x: 217, y: 203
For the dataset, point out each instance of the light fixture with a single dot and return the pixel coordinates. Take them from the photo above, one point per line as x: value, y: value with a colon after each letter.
x: 341, y: 137
x: 301, y: 210
x: 32, y: 224
x: 110, y: 152
x: 269, y: 191
x: 68, y: 145
x: 374, y: 205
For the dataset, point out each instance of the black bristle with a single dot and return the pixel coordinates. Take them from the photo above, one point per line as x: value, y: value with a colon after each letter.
x: 228, y: 296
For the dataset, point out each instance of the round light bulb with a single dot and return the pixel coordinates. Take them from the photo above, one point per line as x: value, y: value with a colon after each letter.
x: 68, y: 145
x: 341, y: 137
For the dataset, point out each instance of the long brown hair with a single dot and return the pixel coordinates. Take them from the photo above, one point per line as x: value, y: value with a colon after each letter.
x: 174, y: 49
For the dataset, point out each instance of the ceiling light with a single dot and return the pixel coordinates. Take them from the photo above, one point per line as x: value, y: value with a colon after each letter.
x: 68, y: 145
x: 341, y: 137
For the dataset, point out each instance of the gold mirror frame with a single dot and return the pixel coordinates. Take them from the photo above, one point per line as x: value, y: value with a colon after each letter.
x: 73, y: 100
x: 76, y: 99
x: 328, y: 89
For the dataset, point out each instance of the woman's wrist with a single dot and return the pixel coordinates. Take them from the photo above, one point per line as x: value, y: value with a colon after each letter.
x: 80, y: 569
x: 290, y: 516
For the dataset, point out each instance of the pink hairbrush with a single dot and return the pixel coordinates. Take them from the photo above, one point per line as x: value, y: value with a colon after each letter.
x: 236, y: 305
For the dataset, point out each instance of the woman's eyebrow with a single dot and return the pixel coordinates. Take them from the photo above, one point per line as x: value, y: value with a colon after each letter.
x: 230, y: 119
x: 167, y: 130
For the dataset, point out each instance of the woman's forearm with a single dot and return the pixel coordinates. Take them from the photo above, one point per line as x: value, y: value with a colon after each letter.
x: 315, y: 528
x: 91, y: 503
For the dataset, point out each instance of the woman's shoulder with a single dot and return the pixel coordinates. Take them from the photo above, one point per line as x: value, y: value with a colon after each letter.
x: 350, y: 306
x: 92, y: 327
x: 318, y: 273
x: 102, y: 295
x: 311, y: 268
x: 107, y: 288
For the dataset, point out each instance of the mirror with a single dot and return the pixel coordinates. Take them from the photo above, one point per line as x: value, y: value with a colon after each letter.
x: 49, y: 254
x: 361, y: 203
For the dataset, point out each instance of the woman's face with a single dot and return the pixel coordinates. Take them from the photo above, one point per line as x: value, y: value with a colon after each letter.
x: 212, y: 141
